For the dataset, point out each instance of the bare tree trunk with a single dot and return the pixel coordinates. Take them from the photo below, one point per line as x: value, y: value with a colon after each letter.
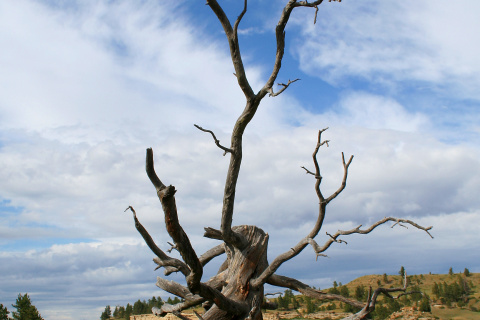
x: 237, y: 291
x: 244, y: 265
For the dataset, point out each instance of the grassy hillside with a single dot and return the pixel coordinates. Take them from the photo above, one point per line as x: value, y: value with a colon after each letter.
x: 444, y: 304
x: 298, y: 306
x: 426, y: 283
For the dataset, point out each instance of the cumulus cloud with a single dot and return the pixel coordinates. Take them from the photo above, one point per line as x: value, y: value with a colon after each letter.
x: 64, y: 276
x: 420, y: 44
x: 92, y: 84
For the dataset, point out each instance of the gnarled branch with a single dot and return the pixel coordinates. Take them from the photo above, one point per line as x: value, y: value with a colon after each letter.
x: 334, y: 238
x: 212, y: 253
x: 174, y: 229
x: 294, y: 284
x: 217, y: 142
x: 204, y: 258
x: 279, y: 260
x: 181, y: 240
x: 162, y: 259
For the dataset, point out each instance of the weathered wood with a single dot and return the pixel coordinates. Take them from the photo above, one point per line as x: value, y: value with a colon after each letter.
x: 244, y: 265
x: 237, y: 291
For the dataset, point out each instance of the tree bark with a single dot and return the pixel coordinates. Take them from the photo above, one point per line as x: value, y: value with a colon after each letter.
x: 237, y: 291
x: 243, y: 266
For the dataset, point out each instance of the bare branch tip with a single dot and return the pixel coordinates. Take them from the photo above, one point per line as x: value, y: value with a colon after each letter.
x: 131, y: 209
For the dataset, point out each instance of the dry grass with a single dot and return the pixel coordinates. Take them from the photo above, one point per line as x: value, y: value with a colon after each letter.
x: 425, y: 283
x: 455, y: 314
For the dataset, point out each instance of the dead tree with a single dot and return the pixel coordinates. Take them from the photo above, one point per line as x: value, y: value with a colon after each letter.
x: 237, y: 290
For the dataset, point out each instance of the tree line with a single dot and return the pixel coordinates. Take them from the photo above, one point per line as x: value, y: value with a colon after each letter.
x: 139, y: 307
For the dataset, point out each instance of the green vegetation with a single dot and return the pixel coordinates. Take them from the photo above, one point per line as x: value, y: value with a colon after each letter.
x: 139, y: 307
x: 3, y: 312
x: 107, y: 314
x: 25, y: 309
x: 466, y: 272
x: 385, y: 309
x: 443, y: 295
x: 459, y: 293
x: 288, y: 301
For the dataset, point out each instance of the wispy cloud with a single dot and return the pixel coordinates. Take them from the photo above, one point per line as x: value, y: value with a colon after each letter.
x: 408, y: 43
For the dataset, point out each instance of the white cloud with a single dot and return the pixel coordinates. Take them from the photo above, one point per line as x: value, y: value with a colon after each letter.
x: 90, y: 87
x: 64, y: 274
x: 426, y: 44
x: 360, y: 109
x: 62, y: 71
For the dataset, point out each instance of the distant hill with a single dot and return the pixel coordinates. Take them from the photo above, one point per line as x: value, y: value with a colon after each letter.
x: 426, y: 283
x: 451, y: 296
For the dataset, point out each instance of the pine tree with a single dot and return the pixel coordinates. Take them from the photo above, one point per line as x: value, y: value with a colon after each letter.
x: 334, y: 290
x: 360, y: 292
x: 311, y: 308
x: 3, y: 312
x: 402, y: 272
x: 344, y: 291
x: 128, y: 311
x: 141, y: 307
x: 417, y: 296
x: 466, y: 272
x: 121, y: 312
x: 385, y: 278
x: 436, y: 290
x: 106, y: 314
x: 425, y: 304
x: 393, y: 305
x: 25, y: 309
x: 450, y: 271
x: 282, y: 302
x: 116, y: 312
x: 381, y: 312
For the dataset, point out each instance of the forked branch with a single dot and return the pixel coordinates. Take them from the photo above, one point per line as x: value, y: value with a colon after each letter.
x: 237, y: 22
x: 184, y: 247
x: 162, y: 260
x: 335, y: 238
x: 294, y: 251
x: 232, y: 37
x: 284, y: 87
x: 344, y: 180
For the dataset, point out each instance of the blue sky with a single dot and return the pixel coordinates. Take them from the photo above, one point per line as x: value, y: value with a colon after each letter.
x: 87, y: 86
